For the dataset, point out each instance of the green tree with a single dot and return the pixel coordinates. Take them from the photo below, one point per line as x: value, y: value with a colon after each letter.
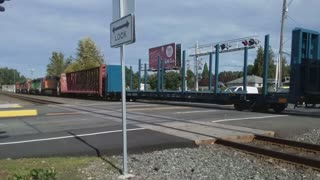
x: 134, y: 78
x: 259, y: 61
x: 57, y: 64
x: 190, y: 79
x: 152, y: 80
x: 250, y: 69
x: 88, y: 55
x: 10, y: 76
x: 285, y: 68
x: 172, y: 80
x: 205, y: 72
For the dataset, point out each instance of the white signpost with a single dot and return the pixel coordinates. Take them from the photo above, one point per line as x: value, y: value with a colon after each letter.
x: 122, y: 32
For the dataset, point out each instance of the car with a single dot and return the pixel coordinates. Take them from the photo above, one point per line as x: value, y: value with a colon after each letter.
x: 239, y: 90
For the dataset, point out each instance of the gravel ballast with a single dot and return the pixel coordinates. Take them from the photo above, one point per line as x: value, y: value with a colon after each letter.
x: 204, y: 162
x: 311, y: 136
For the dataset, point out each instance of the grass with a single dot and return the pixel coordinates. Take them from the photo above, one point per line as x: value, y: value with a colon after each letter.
x: 66, y: 168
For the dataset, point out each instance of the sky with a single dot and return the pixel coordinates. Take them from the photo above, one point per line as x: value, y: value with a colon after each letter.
x: 31, y: 30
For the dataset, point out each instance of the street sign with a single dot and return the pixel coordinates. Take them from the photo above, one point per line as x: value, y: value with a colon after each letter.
x: 122, y: 31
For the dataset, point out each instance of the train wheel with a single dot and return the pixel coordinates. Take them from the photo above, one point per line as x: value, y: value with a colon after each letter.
x: 278, y: 108
x: 238, y: 107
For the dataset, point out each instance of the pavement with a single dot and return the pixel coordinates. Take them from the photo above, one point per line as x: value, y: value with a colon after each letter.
x: 94, y: 128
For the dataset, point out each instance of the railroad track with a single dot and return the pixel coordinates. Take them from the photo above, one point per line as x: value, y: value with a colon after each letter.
x: 298, y: 153
x: 31, y: 99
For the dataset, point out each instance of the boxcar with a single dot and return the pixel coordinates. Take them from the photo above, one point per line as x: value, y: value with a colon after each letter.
x: 85, y: 82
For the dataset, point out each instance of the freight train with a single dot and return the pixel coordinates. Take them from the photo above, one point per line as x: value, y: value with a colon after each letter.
x: 105, y: 82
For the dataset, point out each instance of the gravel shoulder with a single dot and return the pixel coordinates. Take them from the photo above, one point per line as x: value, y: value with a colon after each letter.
x: 204, y: 162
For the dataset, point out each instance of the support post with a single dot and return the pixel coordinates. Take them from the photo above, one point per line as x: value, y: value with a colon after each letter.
x: 162, y: 76
x: 265, y: 65
x: 245, y: 69
x: 158, y: 82
x: 145, y: 77
x: 131, y: 78
x: 124, y: 111
x: 139, y: 76
x: 183, y: 85
x: 210, y: 72
x: 216, y: 72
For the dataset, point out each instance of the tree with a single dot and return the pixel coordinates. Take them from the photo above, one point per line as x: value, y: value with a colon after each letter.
x: 205, y: 72
x: 259, y: 61
x: 134, y: 78
x: 10, y: 76
x: 57, y: 64
x: 88, y: 55
x: 285, y: 68
x: 172, y: 80
x: 190, y: 79
x: 250, y: 69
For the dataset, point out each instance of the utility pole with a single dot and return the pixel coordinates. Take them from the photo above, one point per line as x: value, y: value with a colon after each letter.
x: 196, y: 67
x: 283, y: 17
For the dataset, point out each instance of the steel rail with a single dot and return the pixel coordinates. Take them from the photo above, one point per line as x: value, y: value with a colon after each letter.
x: 291, y: 158
x: 32, y: 99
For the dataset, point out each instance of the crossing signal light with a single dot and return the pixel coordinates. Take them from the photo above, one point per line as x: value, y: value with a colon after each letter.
x: 222, y: 46
x: 245, y: 43
x: 252, y: 42
x: 1, y: 7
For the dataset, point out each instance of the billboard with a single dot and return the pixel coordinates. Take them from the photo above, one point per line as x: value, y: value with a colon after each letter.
x: 168, y: 55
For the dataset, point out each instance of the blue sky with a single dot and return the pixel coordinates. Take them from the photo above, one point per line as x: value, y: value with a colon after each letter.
x: 31, y: 30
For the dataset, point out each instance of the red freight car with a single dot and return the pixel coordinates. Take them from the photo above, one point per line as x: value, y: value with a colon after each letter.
x: 85, y: 82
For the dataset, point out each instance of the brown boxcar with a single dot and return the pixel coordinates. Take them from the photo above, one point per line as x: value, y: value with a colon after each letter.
x: 85, y: 82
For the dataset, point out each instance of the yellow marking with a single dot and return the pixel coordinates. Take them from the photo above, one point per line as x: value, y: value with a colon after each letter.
x: 18, y: 113
x: 16, y: 106
x: 62, y: 113
x: 158, y: 108
x: 282, y: 100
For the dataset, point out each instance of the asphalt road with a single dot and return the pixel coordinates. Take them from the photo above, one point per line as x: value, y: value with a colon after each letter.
x: 95, y: 128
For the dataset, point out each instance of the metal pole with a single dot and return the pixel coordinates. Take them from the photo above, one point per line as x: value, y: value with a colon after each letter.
x: 131, y: 78
x: 162, y: 76
x: 216, y: 72
x: 210, y: 72
x: 123, y: 94
x: 145, y: 77
x: 139, y: 76
x: 196, y: 66
x: 284, y: 11
x: 265, y: 65
x: 14, y: 81
x: 158, y: 82
x: 245, y: 69
x: 183, y: 85
x: 124, y: 111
